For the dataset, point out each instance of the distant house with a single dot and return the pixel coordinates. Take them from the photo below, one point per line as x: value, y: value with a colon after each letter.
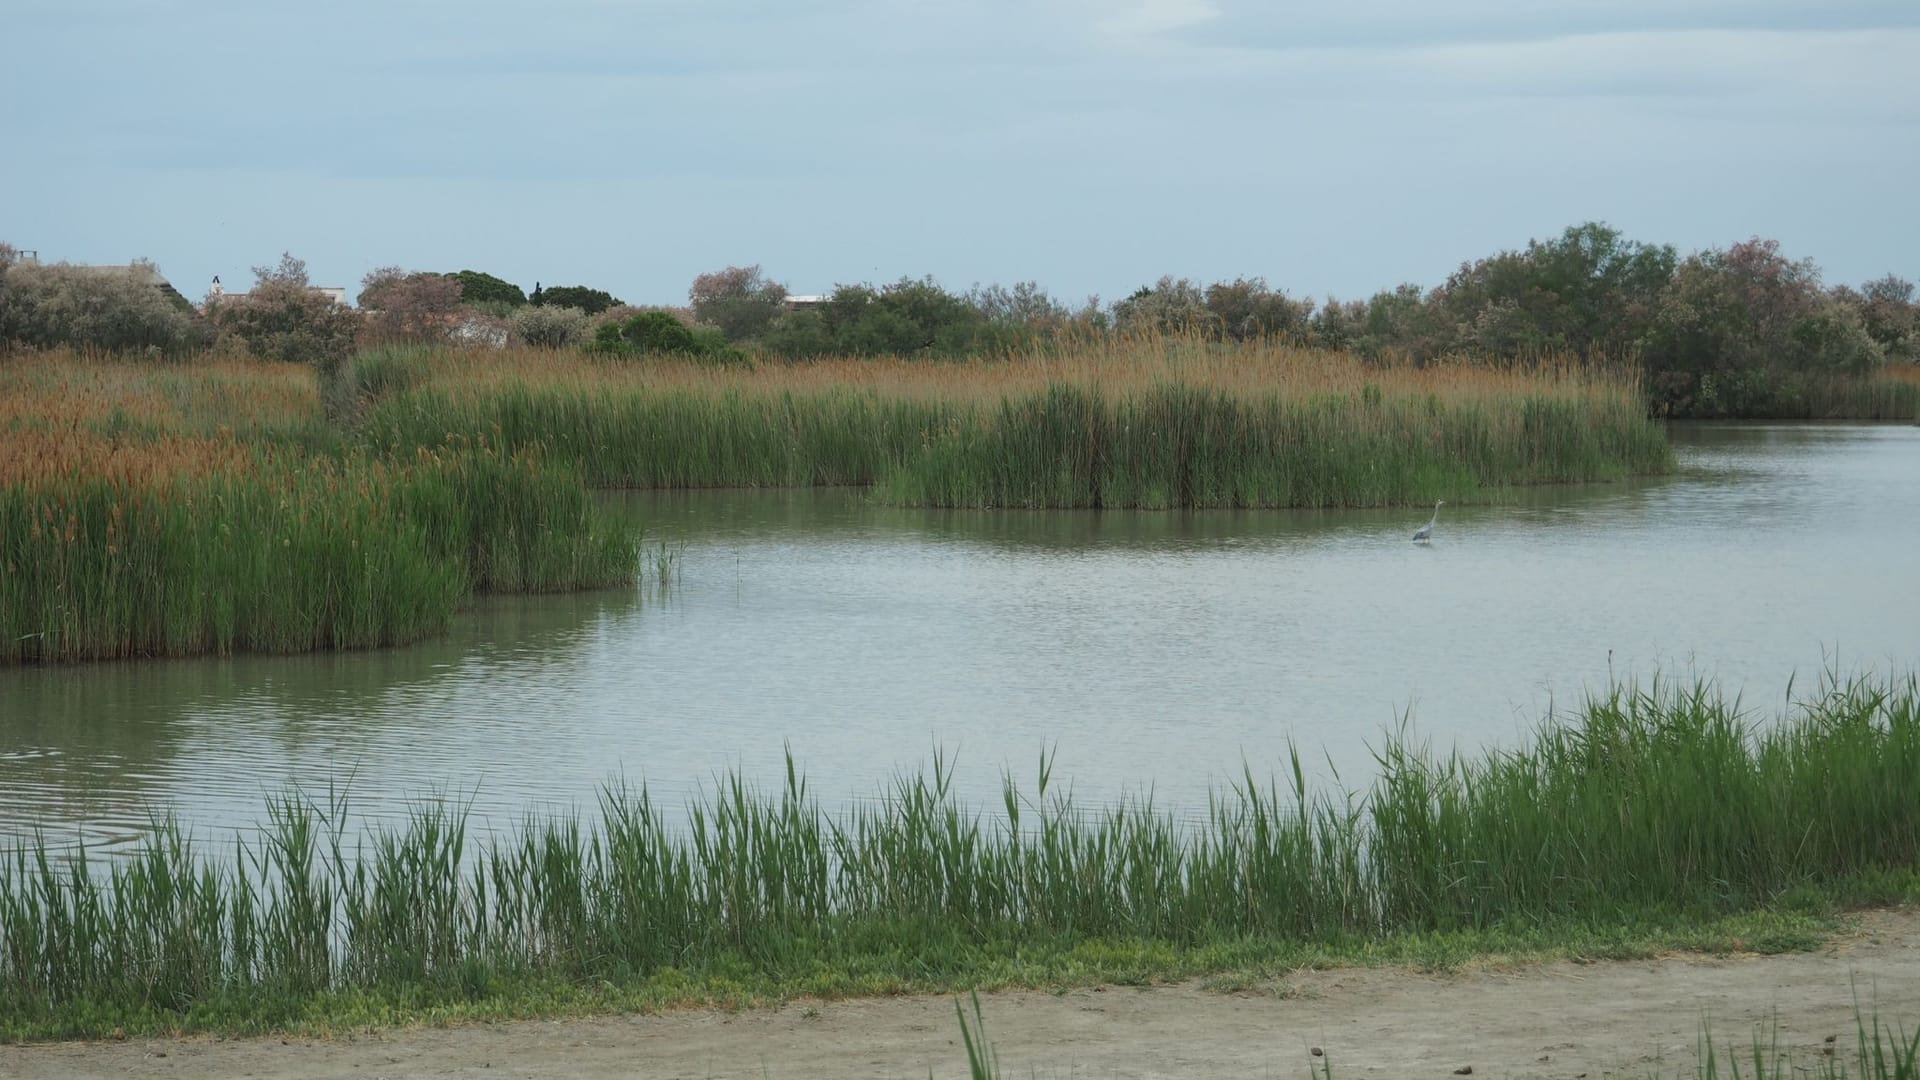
x: 806, y: 301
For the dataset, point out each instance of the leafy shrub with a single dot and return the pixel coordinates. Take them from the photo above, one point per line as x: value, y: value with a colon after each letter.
x: 1733, y: 321
x: 797, y: 335
x: 110, y: 308
x: 1168, y: 306
x: 549, y: 327
x: 740, y: 301
x: 657, y: 331
x: 660, y: 332
x: 285, y: 318
x: 402, y: 306
x: 1246, y: 309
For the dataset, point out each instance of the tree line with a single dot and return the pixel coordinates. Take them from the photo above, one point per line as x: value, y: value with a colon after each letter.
x: 1741, y: 330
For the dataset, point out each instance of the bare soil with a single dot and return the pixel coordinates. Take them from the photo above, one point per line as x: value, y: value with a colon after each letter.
x: 1614, y: 1019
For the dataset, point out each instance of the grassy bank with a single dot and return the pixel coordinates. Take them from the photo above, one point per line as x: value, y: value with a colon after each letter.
x: 1648, y: 819
x: 135, y: 521
x: 1121, y: 423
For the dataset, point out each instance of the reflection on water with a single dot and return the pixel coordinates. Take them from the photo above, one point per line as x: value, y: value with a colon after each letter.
x: 1156, y: 651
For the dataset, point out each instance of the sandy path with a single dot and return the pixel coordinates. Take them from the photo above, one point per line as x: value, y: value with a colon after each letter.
x: 1554, y: 1020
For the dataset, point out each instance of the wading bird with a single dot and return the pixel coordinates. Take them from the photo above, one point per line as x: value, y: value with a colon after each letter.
x: 1426, y: 531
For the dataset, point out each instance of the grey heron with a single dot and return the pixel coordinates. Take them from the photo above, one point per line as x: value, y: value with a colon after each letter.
x: 1426, y: 531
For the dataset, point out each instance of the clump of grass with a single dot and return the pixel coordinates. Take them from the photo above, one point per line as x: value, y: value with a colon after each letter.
x: 1185, y: 445
x: 1662, y: 808
x: 1122, y: 423
x: 226, y: 548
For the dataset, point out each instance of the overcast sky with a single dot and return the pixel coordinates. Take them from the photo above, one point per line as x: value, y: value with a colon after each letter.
x: 1329, y: 147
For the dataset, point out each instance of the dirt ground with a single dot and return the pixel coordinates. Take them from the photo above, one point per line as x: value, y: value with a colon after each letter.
x: 1555, y: 1020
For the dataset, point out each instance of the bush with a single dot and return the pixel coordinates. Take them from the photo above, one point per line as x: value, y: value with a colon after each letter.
x: 659, y: 332
x: 798, y: 335
x: 402, y: 306
x: 548, y: 327
x: 1167, y: 307
x: 739, y: 301
x: 1734, y: 321
x: 109, y: 308
x: 285, y: 318
x: 1245, y: 309
x: 1888, y: 312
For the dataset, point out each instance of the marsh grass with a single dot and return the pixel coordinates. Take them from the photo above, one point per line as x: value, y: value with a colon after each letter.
x: 114, y: 549
x: 168, y: 510
x: 1648, y: 812
x: 1127, y: 422
x: 1879, y: 1052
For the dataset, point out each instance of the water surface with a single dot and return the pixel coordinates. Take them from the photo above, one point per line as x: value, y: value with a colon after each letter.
x: 1154, y: 652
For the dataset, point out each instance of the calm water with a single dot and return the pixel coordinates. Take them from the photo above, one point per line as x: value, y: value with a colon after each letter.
x: 1153, y: 651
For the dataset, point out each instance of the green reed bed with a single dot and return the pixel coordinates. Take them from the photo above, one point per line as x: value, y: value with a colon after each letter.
x: 671, y: 438
x: 1655, y: 809
x: 1068, y: 445
x: 285, y: 553
x: 1174, y: 445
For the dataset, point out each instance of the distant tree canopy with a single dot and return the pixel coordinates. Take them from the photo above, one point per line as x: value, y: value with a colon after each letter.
x: 1589, y: 291
x: 416, y: 306
x: 110, y: 309
x: 740, y: 301
x: 284, y: 318
x: 1737, y: 328
x: 1739, y: 331
x: 591, y: 301
x: 917, y: 317
x: 479, y: 288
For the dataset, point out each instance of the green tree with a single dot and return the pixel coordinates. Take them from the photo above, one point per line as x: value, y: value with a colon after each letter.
x: 1589, y: 291
x: 1400, y: 320
x: 798, y: 335
x: 1168, y: 306
x: 591, y: 301
x: 740, y: 301
x: 1338, y: 324
x: 403, y: 306
x: 1246, y: 309
x: 106, y: 308
x: 479, y: 288
x: 909, y: 317
x: 284, y: 318
x: 1887, y: 310
x: 657, y: 331
x: 1739, y: 330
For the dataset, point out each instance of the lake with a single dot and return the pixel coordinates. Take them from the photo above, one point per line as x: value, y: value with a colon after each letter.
x: 1148, y: 652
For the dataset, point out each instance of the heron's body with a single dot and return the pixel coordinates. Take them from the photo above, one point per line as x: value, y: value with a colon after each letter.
x: 1426, y: 531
